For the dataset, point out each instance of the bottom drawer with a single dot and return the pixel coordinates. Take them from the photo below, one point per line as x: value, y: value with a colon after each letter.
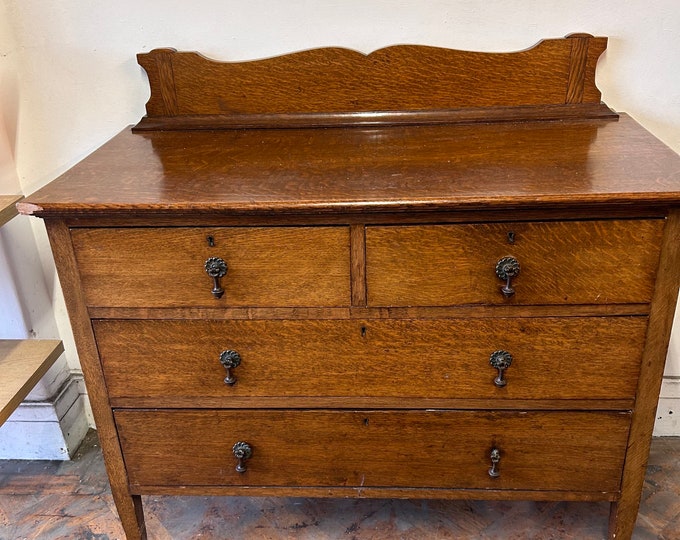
x: 574, y: 451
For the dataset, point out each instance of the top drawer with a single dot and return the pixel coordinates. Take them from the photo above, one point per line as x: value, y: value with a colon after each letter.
x: 579, y: 262
x: 165, y: 267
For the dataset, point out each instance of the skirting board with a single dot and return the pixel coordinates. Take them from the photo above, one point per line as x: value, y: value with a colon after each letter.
x: 50, y: 429
x: 668, y: 413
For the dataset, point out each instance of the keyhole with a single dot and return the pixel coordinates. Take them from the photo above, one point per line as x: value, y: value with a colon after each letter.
x: 363, y: 331
x: 511, y: 237
x: 211, y: 240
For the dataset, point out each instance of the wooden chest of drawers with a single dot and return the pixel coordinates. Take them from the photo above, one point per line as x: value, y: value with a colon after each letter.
x: 300, y: 304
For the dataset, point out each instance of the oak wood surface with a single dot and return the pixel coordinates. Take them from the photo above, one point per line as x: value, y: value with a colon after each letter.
x: 127, y: 505
x: 586, y: 262
x: 22, y: 365
x: 8, y: 207
x: 358, y: 262
x: 394, y: 169
x: 423, y: 215
x: 417, y: 312
x: 553, y: 358
x: 398, y: 78
x: 539, y: 450
x: 382, y: 403
x: 279, y: 266
x: 522, y: 113
x: 624, y: 512
x: 380, y: 493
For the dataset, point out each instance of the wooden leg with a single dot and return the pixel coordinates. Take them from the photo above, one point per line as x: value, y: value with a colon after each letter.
x: 141, y: 526
x: 623, y: 514
x: 620, y: 527
x: 131, y: 515
x: 129, y: 506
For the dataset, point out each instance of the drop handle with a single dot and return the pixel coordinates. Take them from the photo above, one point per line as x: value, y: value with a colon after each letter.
x: 230, y: 360
x: 501, y: 360
x: 242, y: 451
x: 506, y: 269
x: 495, y: 461
x: 216, y: 268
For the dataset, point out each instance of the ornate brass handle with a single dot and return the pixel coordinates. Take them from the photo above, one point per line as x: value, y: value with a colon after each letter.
x: 501, y: 360
x: 507, y: 268
x: 230, y: 360
x: 242, y: 451
x: 495, y: 460
x: 216, y: 268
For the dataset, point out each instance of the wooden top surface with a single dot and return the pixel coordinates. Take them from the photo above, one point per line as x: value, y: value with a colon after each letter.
x: 335, y: 170
x: 8, y: 207
x: 22, y: 365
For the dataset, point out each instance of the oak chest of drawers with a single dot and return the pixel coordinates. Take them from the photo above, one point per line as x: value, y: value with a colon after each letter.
x: 345, y: 283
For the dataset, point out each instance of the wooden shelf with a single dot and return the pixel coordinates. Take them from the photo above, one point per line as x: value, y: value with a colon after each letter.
x: 23, y: 362
x: 22, y: 365
x: 7, y: 207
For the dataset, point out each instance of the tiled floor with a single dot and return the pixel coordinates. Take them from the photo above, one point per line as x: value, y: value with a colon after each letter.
x: 71, y: 500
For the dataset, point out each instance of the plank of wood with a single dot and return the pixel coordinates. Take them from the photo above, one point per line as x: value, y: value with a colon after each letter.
x: 332, y: 84
x: 7, y: 207
x: 22, y: 365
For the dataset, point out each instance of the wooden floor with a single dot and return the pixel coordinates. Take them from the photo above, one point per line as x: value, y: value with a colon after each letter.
x: 71, y: 500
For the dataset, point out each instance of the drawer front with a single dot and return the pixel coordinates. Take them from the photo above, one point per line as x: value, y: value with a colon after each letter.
x: 552, y: 358
x: 587, y: 262
x: 435, y: 449
x: 165, y: 267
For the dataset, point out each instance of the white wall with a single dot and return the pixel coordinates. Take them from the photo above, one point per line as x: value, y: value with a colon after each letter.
x: 73, y: 80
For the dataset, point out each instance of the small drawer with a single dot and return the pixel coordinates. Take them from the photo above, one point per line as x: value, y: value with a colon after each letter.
x: 581, y: 262
x: 166, y: 267
x: 534, y: 358
x: 428, y: 449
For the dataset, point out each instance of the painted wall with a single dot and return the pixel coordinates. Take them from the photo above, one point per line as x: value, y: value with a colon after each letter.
x: 70, y: 80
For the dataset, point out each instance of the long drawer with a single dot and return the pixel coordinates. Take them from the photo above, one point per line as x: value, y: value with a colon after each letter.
x: 580, y: 262
x: 550, y: 358
x: 166, y: 267
x: 435, y: 449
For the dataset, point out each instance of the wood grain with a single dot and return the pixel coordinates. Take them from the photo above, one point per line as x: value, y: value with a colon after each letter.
x: 539, y: 450
x: 73, y: 500
x: 577, y: 67
x: 525, y: 113
x: 552, y: 358
x: 282, y: 266
x: 8, y: 207
x: 22, y: 364
x: 358, y: 262
x: 624, y: 513
x: 447, y: 312
x: 555, y: 165
x: 383, y: 403
x: 586, y: 262
x: 64, y: 258
x: 335, y: 80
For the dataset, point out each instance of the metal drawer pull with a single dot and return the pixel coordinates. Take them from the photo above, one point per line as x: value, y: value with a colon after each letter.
x: 230, y: 360
x: 507, y: 268
x: 216, y: 268
x: 495, y: 460
x: 242, y: 451
x: 501, y: 360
